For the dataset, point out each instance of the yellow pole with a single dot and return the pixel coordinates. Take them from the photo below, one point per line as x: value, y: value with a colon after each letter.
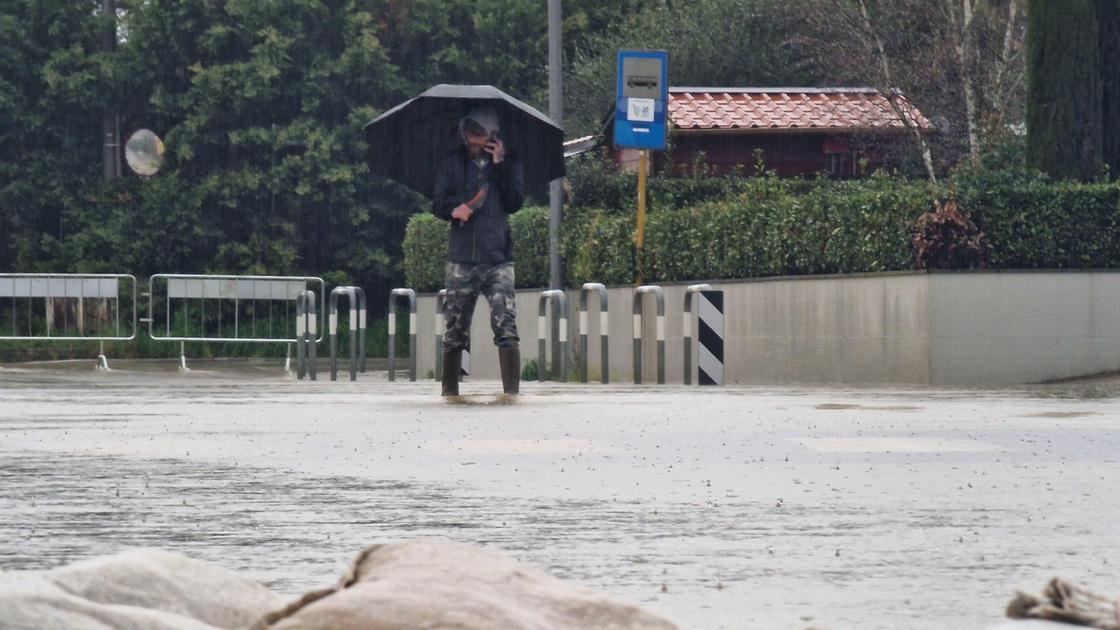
x: 640, y: 238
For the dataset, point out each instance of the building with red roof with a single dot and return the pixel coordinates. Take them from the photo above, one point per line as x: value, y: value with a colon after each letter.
x: 843, y: 132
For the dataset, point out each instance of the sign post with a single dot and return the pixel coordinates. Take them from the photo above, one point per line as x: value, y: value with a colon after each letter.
x: 641, y: 116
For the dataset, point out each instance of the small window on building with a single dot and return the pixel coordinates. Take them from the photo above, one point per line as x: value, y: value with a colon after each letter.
x: 839, y: 159
x: 841, y: 165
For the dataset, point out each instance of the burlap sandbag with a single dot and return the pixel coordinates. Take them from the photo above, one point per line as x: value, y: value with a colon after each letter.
x: 435, y: 583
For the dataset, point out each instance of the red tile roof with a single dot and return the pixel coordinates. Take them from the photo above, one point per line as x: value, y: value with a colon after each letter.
x: 824, y: 109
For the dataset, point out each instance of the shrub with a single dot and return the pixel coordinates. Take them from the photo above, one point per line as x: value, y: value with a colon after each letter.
x: 425, y: 252
x: 766, y: 226
x: 425, y: 249
x: 947, y: 239
x: 1034, y: 223
x: 598, y: 246
x: 529, y: 228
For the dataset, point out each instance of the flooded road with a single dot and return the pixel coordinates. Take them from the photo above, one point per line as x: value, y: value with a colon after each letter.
x: 716, y: 508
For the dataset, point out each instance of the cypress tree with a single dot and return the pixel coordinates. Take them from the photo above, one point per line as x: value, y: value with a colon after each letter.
x: 1108, y: 21
x: 1064, y: 88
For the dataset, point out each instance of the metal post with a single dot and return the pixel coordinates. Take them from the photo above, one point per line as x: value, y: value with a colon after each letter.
x: 556, y: 112
x: 312, y: 350
x: 306, y: 326
x: 603, y: 334
x: 362, y: 329
x: 354, y: 295
x: 312, y: 328
x: 559, y: 301
x: 660, y: 295
x: 333, y: 333
x: 110, y: 122
x: 440, y: 325
x: 301, y: 336
x: 183, y: 357
x: 411, y: 295
x: 687, y: 326
x: 640, y: 237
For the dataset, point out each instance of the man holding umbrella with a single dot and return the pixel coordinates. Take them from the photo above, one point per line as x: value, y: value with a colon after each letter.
x: 477, y: 186
x: 448, y: 136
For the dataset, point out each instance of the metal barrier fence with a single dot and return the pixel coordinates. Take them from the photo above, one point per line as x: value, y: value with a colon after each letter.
x: 228, y: 308
x: 306, y: 325
x: 357, y: 299
x: 660, y: 295
x: 559, y: 300
x: 604, y: 344
x: 687, y: 325
x: 84, y: 300
x: 411, y: 295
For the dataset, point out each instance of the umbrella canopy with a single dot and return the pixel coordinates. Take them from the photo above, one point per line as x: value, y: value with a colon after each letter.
x: 407, y: 143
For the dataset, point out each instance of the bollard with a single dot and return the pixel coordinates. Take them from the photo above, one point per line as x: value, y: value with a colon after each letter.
x: 362, y: 329
x: 660, y: 295
x: 710, y: 332
x: 603, y: 328
x: 440, y: 326
x: 687, y: 326
x: 357, y: 305
x: 411, y: 295
x: 559, y: 360
x: 306, y: 326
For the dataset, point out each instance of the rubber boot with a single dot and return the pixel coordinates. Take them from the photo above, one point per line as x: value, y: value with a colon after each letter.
x: 452, y: 367
x: 509, y: 359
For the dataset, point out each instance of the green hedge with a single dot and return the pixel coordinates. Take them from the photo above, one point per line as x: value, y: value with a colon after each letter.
x: 766, y: 226
x: 425, y: 249
x: 1048, y: 225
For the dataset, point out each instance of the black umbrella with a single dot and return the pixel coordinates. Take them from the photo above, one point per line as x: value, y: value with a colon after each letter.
x: 407, y: 143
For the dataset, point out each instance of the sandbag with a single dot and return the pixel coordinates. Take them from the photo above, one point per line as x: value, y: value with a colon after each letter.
x: 436, y: 583
x: 143, y: 589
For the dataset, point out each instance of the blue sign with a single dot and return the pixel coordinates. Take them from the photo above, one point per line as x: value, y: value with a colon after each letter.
x: 642, y: 104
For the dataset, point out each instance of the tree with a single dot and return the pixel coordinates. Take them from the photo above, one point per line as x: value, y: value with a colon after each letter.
x: 1064, y: 124
x: 1108, y: 20
x: 50, y: 81
x: 710, y: 43
x: 959, y: 61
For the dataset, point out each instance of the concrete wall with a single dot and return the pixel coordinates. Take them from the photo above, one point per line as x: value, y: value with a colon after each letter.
x: 982, y: 328
x: 1023, y: 327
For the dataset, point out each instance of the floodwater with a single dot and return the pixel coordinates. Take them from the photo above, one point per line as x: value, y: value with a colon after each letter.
x: 744, y: 507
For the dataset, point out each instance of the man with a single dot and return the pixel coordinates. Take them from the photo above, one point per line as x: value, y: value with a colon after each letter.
x: 477, y: 186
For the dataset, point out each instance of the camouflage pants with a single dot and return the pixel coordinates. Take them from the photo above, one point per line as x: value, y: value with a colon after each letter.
x: 464, y: 283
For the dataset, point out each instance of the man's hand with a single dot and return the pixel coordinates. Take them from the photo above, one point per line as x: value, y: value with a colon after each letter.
x: 462, y: 212
x: 497, y: 150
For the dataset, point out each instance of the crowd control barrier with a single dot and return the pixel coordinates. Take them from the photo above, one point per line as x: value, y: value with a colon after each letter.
x: 74, y: 307
x: 229, y: 309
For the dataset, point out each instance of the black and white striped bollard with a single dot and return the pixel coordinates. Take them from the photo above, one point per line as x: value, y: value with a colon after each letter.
x: 710, y: 333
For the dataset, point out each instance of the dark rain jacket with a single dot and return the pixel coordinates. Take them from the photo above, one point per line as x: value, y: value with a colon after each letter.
x: 485, y: 239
